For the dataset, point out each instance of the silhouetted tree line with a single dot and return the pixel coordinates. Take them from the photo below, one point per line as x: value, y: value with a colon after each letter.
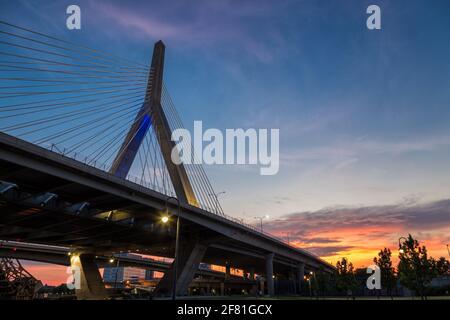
x: 414, y: 271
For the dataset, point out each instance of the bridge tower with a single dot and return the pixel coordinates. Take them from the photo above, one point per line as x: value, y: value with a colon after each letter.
x: 152, y: 114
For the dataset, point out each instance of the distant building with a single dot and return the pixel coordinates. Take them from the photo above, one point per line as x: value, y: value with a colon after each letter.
x: 149, y: 274
x: 123, y: 274
x: 441, y: 281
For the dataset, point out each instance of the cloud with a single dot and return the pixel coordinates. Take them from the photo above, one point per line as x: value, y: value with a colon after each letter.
x: 329, y: 250
x: 343, y: 154
x: 201, y: 26
x: 359, y: 232
x: 145, y: 25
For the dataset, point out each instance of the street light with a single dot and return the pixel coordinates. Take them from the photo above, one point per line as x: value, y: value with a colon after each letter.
x: 165, y: 219
x: 116, y: 273
x: 288, y: 234
x: 448, y: 250
x: 216, y: 195
x: 261, y: 220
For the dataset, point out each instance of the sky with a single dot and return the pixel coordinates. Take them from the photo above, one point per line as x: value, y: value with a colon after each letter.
x: 363, y: 115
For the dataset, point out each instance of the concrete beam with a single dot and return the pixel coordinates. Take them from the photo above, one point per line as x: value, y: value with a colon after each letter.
x: 300, y: 276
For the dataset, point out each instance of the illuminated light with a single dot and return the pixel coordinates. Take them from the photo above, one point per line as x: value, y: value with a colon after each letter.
x: 165, y: 219
x: 69, y: 253
x: 311, y: 272
x: 111, y: 260
x: 401, y: 251
x: 75, y: 259
x: 267, y: 216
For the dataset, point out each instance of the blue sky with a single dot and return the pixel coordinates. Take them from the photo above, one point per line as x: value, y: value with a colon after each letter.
x: 363, y: 115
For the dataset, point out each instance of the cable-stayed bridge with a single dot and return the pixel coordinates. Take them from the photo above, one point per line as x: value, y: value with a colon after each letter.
x: 85, y: 163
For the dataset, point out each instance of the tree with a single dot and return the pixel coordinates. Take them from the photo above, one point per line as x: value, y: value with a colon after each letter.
x: 322, y: 282
x: 384, y: 262
x: 442, y: 266
x: 415, y: 269
x: 345, y: 276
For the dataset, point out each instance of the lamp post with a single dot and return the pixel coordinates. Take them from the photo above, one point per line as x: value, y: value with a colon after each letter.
x: 165, y: 219
x: 117, y: 272
x: 288, y: 235
x: 216, y: 195
x: 261, y: 220
x: 448, y: 250
x: 309, y: 285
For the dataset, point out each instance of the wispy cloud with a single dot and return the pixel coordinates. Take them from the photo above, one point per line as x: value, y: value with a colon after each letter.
x: 350, y: 151
x: 144, y: 25
x: 208, y: 23
x: 338, y: 231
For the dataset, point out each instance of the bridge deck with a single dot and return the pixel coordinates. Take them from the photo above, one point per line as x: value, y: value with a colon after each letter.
x: 36, y: 171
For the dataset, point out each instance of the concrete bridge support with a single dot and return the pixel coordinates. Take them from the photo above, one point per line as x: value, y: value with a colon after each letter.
x: 269, y: 274
x: 252, y: 274
x: 227, y: 270
x: 300, y: 276
x: 189, y: 259
x: 88, y: 281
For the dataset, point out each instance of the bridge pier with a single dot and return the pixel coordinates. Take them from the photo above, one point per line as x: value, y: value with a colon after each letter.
x: 227, y: 270
x: 88, y: 281
x: 189, y: 257
x: 300, y: 276
x: 269, y: 274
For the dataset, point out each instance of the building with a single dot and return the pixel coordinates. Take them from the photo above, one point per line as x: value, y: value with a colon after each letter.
x: 120, y: 274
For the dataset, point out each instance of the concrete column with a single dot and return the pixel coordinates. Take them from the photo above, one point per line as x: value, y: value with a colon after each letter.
x: 189, y: 259
x: 227, y: 270
x: 88, y: 281
x: 269, y: 274
x: 261, y: 286
x: 292, y: 282
x: 300, y: 276
x: 252, y: 274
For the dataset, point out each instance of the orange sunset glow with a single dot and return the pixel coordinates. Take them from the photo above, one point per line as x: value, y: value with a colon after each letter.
x: 359, y: 233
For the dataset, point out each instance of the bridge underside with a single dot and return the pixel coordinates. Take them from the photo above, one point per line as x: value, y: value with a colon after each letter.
x: 49, y: 199
x: 131, y: 227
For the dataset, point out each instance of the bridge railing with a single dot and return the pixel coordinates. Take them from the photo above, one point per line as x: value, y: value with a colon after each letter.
x: 106, y: 167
